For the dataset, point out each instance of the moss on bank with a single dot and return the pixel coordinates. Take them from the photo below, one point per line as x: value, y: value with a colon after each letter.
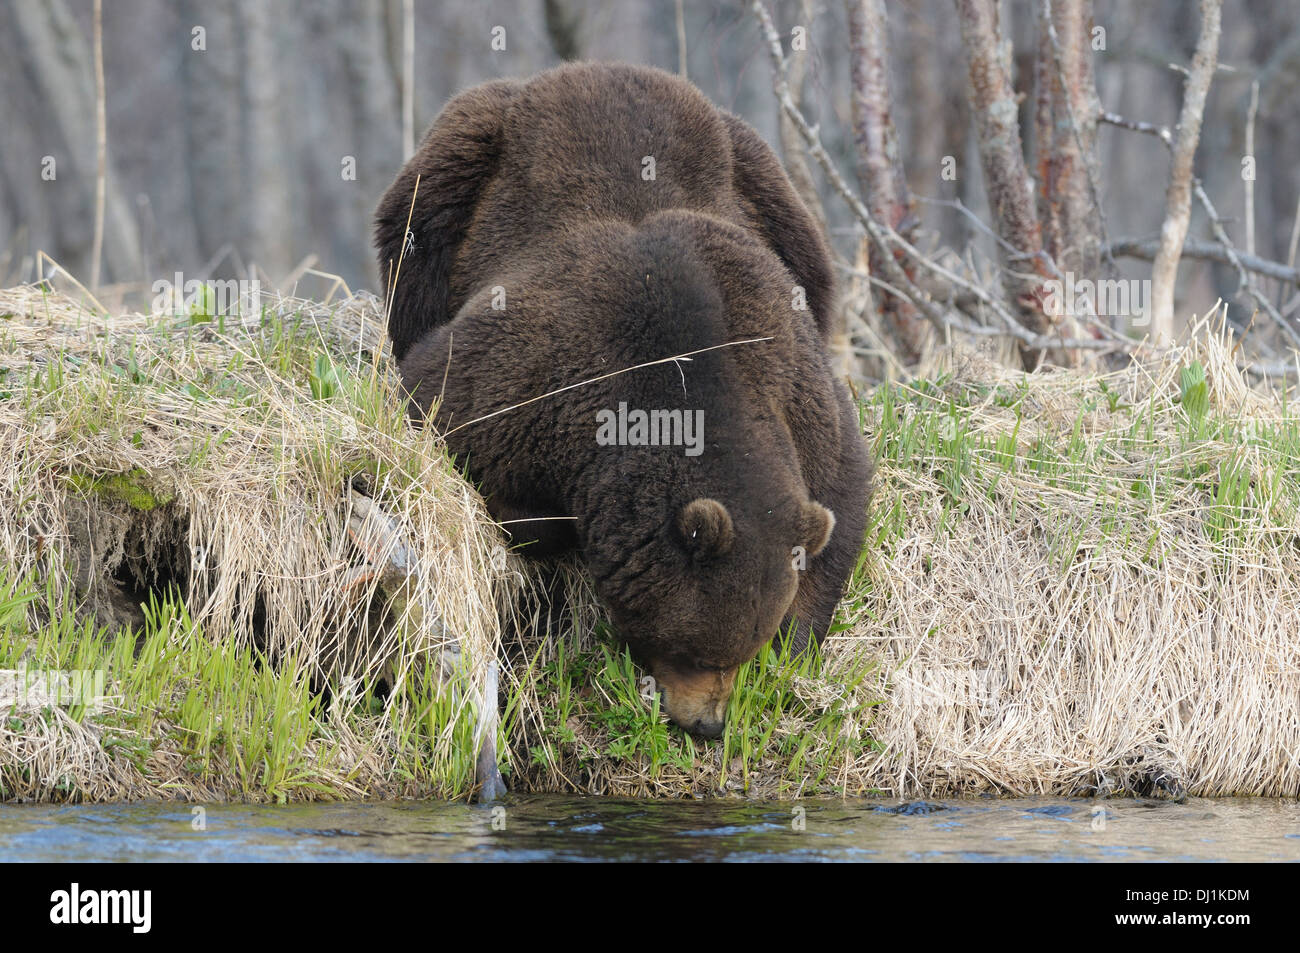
x: 133, y: 488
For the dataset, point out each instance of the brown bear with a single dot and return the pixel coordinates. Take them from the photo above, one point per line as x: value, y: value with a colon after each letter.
x: 608, y: 295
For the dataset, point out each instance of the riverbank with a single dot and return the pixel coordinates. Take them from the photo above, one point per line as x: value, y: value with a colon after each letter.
x: 1073, y: 584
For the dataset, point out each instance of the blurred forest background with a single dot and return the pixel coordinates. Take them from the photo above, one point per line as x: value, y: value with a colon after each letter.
x: 232, y: 160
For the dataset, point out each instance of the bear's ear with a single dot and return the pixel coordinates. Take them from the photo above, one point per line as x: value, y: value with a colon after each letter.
x: 705, y: 526
x: 815, y: 525
x: 421, y: 226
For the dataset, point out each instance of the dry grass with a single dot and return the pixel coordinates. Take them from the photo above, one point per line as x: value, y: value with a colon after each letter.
x: 1074, y: 584
x: 144, y: 452
x: 1111, y: 604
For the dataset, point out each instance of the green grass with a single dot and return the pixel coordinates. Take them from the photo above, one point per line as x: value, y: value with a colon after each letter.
x: 1146, y: 464
x: 602, y: 717
x: 234, y: 722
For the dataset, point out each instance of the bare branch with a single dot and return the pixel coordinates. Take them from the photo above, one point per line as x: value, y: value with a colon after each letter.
x: 1216, y: 225
x: 1145, y: 249
x: 1160, y: 132
x: 971, y: 306
x: 877, y: 231
x: 1229, y: 251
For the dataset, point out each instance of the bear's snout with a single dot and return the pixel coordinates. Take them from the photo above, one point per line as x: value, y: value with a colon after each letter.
x: 709, y: 729
x: 697, y: 700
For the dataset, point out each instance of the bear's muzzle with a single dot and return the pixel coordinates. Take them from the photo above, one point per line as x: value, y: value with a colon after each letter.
x: 697, y: 701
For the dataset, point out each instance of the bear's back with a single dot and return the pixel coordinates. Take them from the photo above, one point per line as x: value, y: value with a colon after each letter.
x: 512, y: 171
x: 597, y: 142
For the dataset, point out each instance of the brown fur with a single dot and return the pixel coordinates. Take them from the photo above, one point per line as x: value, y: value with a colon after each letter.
x: 535, y: 190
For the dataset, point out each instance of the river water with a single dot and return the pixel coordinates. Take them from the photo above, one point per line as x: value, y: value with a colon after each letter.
x: 598, y: 829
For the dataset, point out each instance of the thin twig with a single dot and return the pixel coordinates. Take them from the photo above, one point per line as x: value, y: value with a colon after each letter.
x: 1250, y: 179
x: 1228, y: 249
x: 1160, y: 132
x: 1012, y: 252
x: 1243, y: 280
x: 591, y: 380
x: 967, y: 304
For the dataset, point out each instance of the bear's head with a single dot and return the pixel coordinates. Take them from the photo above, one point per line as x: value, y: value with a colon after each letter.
x: 707, y: 592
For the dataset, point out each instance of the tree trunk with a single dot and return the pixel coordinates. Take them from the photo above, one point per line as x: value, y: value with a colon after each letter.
x: 1066, y: 137
x: 994, y: 104
x: 564, y: 28
x: 1178, y: 197
x: 878, y: 165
